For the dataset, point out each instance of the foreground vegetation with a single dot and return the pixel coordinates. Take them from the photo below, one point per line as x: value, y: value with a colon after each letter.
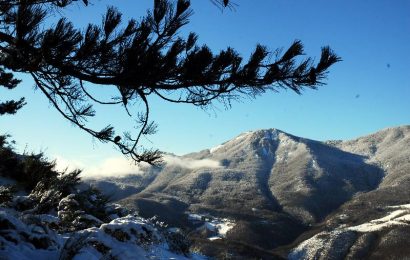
x: 49, y: 214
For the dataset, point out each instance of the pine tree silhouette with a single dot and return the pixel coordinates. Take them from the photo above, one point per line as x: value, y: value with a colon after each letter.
x: 139, y: 59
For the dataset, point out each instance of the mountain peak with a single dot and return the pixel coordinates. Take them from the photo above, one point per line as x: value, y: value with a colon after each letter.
x: 268, y: 176
x: 249, y: 137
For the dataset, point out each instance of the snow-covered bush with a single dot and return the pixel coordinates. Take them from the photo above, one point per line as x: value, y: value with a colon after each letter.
x: 93, y: 202
x: 88, y: 208
x: 71, y: 215
x: 45, y: 199
x: 47, y: 217
x: 6, y: 194
x: 129, y: 237
x: 31, y: 235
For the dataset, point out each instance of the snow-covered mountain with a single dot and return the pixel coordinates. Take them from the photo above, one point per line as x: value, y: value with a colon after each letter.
x: 277, y: 187
x: 372, y: 225
x: 377, y: 238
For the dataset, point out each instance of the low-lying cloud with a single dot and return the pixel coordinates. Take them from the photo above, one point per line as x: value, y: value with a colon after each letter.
x: 171, y: 160
x: 113, y: 167
x: 110, y: 167
x: 121, y: 166
x: 63, y: 164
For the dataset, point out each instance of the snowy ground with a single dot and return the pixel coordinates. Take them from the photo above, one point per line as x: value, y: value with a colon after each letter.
x: 325, y: 241
x: 218, y: 226
x: 125, y: 238
x: 401, y: 216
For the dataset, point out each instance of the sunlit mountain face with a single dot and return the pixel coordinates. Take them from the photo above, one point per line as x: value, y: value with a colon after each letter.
x: 276, y: 190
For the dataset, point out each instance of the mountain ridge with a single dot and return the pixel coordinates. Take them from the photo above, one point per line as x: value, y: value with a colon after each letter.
x: 280, y: 185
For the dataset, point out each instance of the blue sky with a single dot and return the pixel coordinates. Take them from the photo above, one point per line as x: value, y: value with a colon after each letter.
x: 368, y: 91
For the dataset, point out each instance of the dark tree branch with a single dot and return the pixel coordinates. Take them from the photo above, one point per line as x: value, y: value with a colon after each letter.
x: 139, y: 59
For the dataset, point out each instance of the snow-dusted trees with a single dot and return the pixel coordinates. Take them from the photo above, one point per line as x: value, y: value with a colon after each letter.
x: 49, y: 222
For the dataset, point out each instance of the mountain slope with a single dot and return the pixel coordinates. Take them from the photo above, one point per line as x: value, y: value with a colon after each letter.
x: 276, y: 186
x: 269, y: 170
x: 389, y: 149
x: 373, y: 225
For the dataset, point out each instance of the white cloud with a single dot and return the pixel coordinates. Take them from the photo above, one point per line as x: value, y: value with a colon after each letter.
x: 120, y: 166
x: 63, y: 164
x: 110, y: 167
x: 190, y: 163
x: 113, y: 167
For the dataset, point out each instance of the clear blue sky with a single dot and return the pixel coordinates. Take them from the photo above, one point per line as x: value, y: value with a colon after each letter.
x: 368, y: 91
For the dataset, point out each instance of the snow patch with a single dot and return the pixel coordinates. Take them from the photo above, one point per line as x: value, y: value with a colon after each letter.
x: 214, y: 149
x: 241, y: 136
x: 219, y: 226
x: 315, y: 165
x: 313, y: 247
x: 395, y: 218
x: 237, y: 139
x: 404, y: 206
x: 195, y: 217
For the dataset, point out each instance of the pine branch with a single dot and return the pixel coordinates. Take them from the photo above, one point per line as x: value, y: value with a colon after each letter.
x: 139, y: 59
